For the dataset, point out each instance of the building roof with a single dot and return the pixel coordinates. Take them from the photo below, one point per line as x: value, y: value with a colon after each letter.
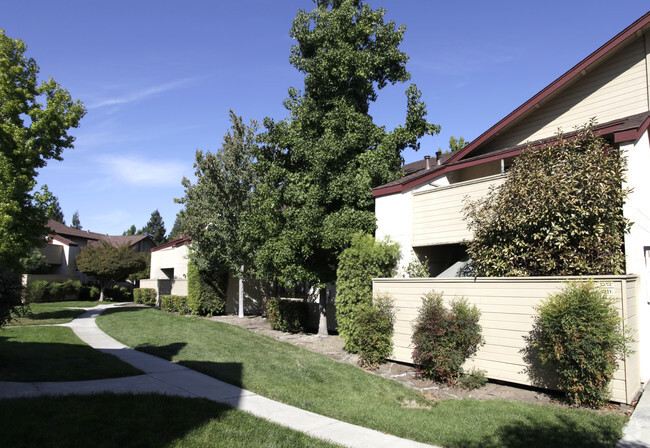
x: 63, y: 232
x: 173, y: 243
x: 624, y: 129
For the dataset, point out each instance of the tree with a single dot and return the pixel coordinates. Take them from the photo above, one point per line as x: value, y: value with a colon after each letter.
x: 76, y: 223
x: 559, y: 212
x: 108, y: 263
x: 177, y: 230
x: 219, y: 205
x: 131, y: 231
x: 455, y: 144
x: 34, y: 124
x: 319, y: 166
x: 155, y: 228
x: 46, y: 201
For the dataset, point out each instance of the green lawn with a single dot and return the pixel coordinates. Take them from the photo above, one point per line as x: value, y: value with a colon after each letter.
x: 54, y: 354
x: 314, y: 382
x: 107, y: 420
x: 52, y: 313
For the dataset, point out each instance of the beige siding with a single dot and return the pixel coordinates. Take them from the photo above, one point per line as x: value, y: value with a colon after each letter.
x: 617, y: 88
x: 507, y: 308
x: 438, y: 213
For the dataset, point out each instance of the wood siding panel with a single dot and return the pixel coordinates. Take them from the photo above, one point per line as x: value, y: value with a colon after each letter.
x: 615, y: 89
x: 438, y: 214
x: 507, y: 314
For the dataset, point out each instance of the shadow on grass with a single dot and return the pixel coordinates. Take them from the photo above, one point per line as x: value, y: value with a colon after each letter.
x: 68, y: 314
x: 565, y: 431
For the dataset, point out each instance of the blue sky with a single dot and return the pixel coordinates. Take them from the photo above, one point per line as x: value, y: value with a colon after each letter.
x: 158, y: 79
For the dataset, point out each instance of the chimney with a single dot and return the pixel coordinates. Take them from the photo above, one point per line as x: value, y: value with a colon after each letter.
x: 427, y: 163
x: 438, y: 154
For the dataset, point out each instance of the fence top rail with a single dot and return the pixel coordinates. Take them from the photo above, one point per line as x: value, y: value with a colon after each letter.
x: 600, y: 278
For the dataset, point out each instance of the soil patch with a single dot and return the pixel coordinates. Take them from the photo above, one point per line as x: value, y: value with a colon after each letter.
x: 406, y: 374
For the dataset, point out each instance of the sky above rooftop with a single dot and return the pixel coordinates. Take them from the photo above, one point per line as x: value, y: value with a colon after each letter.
x: 159, y: 77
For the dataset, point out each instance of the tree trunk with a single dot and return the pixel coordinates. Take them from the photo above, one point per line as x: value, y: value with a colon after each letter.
x: 241, y: 292
x: 101, y: 292
x: 322, y: 308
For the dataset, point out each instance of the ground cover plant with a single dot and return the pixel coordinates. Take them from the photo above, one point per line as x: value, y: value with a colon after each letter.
x: 138, y: 420
x: 52, y: 313
x: 314, y: 382
x: 54, y: 354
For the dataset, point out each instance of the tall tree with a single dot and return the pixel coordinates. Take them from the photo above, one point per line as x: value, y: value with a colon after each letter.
x: 218, y: 206
x: 155, y: 228
x: 130, y: 231
x: 34, y: 123
x: 49, y: 204
x: 76, y: 223
x: 321, y: 164
x: 109, y: 263
x: 177, y: 230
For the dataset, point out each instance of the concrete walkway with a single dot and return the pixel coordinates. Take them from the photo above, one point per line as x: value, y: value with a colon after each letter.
x: 162, y: 376
x: 636, y: 433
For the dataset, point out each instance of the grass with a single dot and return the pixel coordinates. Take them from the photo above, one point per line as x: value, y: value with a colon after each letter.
x: 51, y: 313
x: 316, y: 383
x: 107, y: 420
x: 54, y: 354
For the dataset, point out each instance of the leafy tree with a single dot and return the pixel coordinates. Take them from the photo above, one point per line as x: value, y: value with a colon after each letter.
x: 455, y: 144
x: 49, y: 203
x: 319, y: 166
x: 36, y: 263
x: 155, y: 229
x: 131, y: 231
x: 108, y: 263
x: 218, y: 206
x: 559, y: 212
x: 76, y: 223
x: 34, y: 123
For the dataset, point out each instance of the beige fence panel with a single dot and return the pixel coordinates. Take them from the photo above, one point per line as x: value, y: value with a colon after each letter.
x: 507, y: 308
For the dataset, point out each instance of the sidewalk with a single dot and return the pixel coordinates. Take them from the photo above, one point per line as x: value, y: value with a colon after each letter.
x: 162, y: 376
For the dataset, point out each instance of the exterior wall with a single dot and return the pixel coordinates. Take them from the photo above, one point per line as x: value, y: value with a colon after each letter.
x: 254, y: 296
x: 637, y: 241
x: 438, y: 213
x: 615, y: 89
x: 507, y: 308
x: 394, y: 215
x: 169, y: 258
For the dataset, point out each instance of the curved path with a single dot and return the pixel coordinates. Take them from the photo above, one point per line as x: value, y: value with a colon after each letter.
x: 162, y: 376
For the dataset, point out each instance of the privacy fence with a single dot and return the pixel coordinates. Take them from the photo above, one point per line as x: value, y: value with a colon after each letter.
x: 507, y: 308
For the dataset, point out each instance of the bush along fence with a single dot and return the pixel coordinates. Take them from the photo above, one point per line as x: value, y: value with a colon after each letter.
x: 144, y: 296
x: 509, y: 308
x: 289, y: 316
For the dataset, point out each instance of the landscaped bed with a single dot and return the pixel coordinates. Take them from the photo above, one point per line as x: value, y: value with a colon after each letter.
x: 314, y: 382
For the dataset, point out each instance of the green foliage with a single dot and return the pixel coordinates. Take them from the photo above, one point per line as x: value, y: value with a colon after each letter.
x: 418, y: 267
x: 204, y: 298
x: 218, y: 206
x: 131, y: 231
x: 578, y: 333
x: 145, y: 296
x: 318, y: 166
x: 109, y: 264
x: 559, y: 212
x: 34, y: 120
x: 444, y: 339
x: 364, y: 260
x: 117, y: 293
x: 373, y: 331
x: 474, y: 379
x: 155, y: 228
x: 46, y: 201
x: 177, y: 230
x: 37, y: 291
x: 455, y: 144
x: 36, y: 263
x: 174, y: 304
x: 76, y: 223
x: 288, y: 316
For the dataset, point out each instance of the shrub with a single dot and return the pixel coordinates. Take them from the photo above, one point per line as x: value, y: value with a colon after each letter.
x: 205, y: 297
x: 70, y: 290
x: 418, y: 267
x: 358, y: 265
x: 145, y: 296
x: 118, y: 294
x: 578, y: 333
x: 288, y: 316
x: 473, y: 379
x: 37, y: 291
x: 174, y: 304
x: 373, y: 331
x: 55, y: 292
x: 93, y: 293
x: 445, y: 338
x: 11, y: 289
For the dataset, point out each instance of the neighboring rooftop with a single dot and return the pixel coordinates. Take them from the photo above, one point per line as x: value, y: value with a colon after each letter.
x: 63, y: 233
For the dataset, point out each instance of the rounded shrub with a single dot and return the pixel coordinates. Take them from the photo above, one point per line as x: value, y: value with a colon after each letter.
x: 374, y: 331
x: 444, y: 338
x: 578, y: 333
x: 37, y: 291
x: 364, y: 260
x: 288, y: 316
x: 144, y: 296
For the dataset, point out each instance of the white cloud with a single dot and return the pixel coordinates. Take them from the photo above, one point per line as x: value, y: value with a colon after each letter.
x: 142, y: 93
x: 146, y: 173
